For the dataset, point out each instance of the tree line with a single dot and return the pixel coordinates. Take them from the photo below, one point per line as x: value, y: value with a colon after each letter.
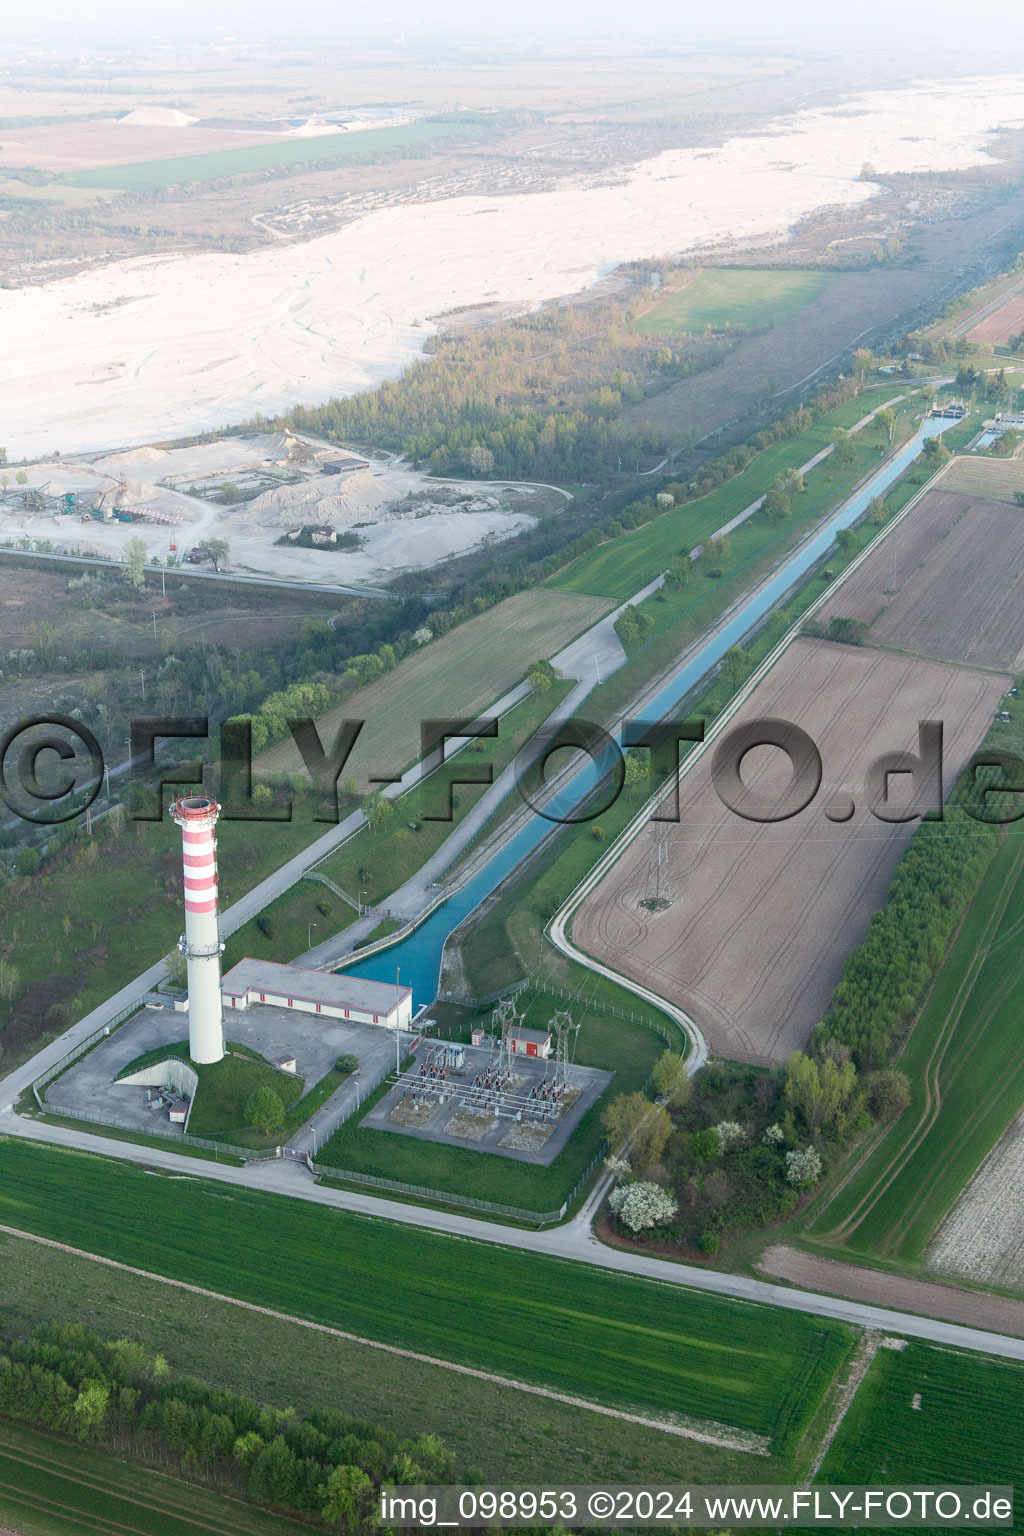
x: 326, y: 1466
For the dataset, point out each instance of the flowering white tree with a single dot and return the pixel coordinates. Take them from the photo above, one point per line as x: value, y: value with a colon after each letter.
x: 642, y: 1205
x: 774, y: 1136
x: 618, y: 1167
x: 803, y: 1166
x: 423, y: 635
x: 729, y: 1134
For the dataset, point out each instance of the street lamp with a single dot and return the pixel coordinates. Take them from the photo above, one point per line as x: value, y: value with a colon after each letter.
x: 309, y: 934
x: 360, y: 903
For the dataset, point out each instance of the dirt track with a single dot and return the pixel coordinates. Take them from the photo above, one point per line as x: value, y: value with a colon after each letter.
x: 904, y: 1293
x: 947, y: 582
x: 763, y: 915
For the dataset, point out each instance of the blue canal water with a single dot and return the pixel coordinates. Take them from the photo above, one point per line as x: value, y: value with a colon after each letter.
x: 418, y: 956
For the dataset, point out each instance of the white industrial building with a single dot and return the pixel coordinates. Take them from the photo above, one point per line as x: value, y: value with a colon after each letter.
x: 317, y: 992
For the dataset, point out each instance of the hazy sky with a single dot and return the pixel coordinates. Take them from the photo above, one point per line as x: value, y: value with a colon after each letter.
x: 871, y: 23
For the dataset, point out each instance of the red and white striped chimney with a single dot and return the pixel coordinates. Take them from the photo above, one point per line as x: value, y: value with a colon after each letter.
x: 196, y: 815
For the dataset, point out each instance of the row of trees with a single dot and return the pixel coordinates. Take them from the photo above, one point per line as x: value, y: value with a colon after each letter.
x: 325, y: 1466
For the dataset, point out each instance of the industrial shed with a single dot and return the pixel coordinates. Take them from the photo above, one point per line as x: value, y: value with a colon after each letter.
x: 335, y: 997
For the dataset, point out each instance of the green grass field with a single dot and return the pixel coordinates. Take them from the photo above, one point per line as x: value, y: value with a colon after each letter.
x: 50, y: 1486
x: 624, y: 565
x: 580, y: 1330
x: 148, y: 175
x: 615, y: 1045
x: 721, y: 297
x: 965, y: 1062
x: 968, y: 1429
x: 458, y: 675
x: 503, y: 1433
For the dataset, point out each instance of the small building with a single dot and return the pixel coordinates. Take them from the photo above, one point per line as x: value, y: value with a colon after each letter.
x: 288, y: 1064
x: 342, y: 466
x: 530, y: 1042
x: 325, y: 535
x: 319, y: 992
x: 178, y: 1111
x: 477, y: 1037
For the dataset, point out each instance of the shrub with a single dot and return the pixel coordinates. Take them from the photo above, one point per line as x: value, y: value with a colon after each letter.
x: 803, y: 1166
x: 642, y: 1205
x: 346, y: 1064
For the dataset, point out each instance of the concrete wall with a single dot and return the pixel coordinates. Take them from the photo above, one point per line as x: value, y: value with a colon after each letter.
x: 171, y: 1073
x: 327, y: 1010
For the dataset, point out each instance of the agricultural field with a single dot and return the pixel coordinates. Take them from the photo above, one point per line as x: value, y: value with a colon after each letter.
x: 965, y: 1062
x: 616, y: 1045
x: 983, y: 1237
x: 179, y: 170
x: 71, y: 147
x: 982, y: 476
x: 458, y: 675
x: 948, y: 582
x: 51, y: 1486
x: 742, y: 298
x: 581, y: 1330
x: 764, y: 914
x: 502, y: 1432
x: 621, y: 567
x: 1006, y: 321
x: 931, y: 1417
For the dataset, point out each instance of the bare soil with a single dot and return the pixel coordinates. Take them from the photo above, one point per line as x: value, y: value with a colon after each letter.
x: 81, y: 146
x: 975, y: 1309
x: 983, y: 1237
x: 763, y: 915
x: 995, y: 478
x: 1006, y: 321
x: 947, y: 582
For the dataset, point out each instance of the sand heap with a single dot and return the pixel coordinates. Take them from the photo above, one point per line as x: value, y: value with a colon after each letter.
x: 156, y: 117
x: 361, y: 497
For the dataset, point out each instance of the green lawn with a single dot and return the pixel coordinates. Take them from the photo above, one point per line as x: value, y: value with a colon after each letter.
x: 51, y: 1486
x: 225, y: 1086
x: 579, y: 1330
x: 382, y: 143
x: 968, y: 1429
x: 622, y: 566
x: 628, y: 1050
x: 965, y: 1062
x: 722, y: 297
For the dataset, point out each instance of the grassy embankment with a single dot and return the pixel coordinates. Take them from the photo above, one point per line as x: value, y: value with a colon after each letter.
x: 52, y: 1486
x: 608, y: 1337
x: 615, y: 1045
x: 723, y: 297
x: 967, y: 1426
x: 375, y: 143
x: 370, y: 865
x: 624, y: 565
x: 225, y: 1087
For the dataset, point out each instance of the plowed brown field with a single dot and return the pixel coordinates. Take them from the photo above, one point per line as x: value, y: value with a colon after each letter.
x: 947, y: 582
x: 1007, y: 320
x: 763, y: 916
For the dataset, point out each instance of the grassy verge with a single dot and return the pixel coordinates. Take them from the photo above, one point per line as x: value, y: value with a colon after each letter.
x: 140, y: 1139
x: 615, y: 1045
x: 583, y: 1331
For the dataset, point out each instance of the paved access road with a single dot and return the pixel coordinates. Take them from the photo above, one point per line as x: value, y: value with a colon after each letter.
x: 574, y: 1241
